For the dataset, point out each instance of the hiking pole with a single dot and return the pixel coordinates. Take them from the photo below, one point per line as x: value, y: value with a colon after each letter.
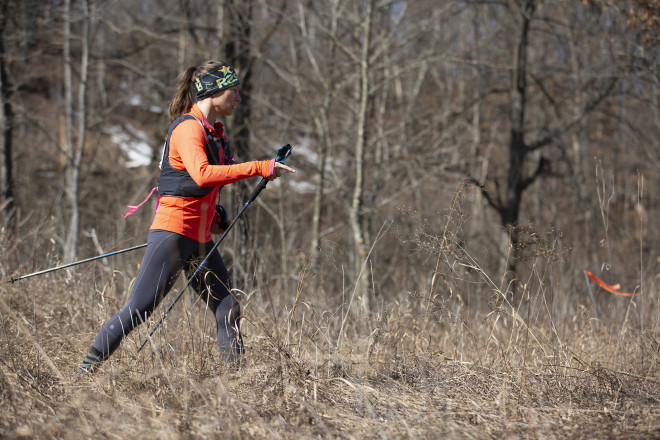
x: 75, y: 263
x: 282, y: 155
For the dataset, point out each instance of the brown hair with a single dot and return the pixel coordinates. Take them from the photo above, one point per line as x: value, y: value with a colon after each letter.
x: 183, y: 99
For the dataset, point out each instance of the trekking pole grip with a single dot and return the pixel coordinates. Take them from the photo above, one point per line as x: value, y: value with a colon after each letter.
x: 257, y: 190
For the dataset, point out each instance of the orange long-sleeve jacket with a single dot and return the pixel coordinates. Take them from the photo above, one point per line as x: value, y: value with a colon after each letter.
x: 192, y: 217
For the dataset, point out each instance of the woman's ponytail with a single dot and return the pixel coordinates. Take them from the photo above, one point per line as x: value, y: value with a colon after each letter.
x: 183, y: 100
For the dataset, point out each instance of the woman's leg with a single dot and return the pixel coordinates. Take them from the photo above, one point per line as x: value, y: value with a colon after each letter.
x: 214, y: 286
x: 165, y: 256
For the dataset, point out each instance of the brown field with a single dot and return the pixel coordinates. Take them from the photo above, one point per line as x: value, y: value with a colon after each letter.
x: 423, y: 365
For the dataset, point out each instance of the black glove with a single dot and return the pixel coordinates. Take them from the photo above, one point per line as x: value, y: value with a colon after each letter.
x: 221, y: 217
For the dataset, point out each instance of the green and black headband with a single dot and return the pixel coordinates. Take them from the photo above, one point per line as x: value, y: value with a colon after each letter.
x: 215, y: 81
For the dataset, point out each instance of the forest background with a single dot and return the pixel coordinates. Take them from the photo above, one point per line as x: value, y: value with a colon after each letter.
x: 461, y: 165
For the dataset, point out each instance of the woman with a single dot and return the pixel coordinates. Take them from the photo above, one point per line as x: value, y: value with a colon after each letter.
x: 195, y: 166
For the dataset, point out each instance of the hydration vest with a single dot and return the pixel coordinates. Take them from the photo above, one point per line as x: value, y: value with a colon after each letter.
x: 173, y: 182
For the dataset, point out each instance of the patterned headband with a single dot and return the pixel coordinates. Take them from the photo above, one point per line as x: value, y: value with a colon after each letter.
x: 215, y: 81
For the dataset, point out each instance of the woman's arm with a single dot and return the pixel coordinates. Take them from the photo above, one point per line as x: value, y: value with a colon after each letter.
x: 188, y: 151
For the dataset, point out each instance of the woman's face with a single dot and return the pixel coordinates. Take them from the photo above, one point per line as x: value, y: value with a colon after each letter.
x: 225, y: 102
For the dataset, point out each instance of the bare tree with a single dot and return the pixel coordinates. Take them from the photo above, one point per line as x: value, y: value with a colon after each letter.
x: 75, y: 121
x: 362, y: 95
x: 242, y: 50
x: 328, y: 83
x: 523, y: 144
x: 6, y: 123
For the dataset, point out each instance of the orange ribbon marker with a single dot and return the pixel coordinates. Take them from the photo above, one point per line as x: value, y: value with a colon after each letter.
x: 610, y: 288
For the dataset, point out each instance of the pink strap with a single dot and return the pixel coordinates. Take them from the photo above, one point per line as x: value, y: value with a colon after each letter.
x: 132, y: 209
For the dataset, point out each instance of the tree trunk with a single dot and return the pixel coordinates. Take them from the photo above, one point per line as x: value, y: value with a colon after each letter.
x: 356, y: 209
x: 6, y: 125
x: 321, y: 160
x: 510, y: 212
x: 74, y: 141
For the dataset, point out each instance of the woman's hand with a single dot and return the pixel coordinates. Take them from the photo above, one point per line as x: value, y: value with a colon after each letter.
x: 279, y: 167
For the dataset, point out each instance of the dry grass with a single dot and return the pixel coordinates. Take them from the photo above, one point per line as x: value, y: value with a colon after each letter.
x: 430, y: 364
x: 415, y: 371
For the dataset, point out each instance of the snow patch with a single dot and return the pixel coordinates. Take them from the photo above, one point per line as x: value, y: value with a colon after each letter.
x: 134, y: 142
x: 136, y: 101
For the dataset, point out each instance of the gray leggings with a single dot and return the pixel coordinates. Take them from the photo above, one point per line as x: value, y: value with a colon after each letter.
x: 167, y: 253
